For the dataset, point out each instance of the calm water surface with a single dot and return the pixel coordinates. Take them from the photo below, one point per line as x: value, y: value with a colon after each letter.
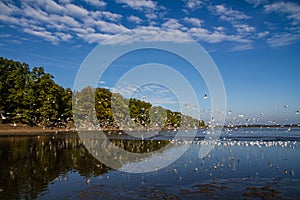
x: 244, y: 164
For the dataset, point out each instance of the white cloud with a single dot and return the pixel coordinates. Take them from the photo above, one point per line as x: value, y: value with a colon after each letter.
x: 94, y: 37
x: 228, y: 14
x: 219, y: 28
x: 49, y: 5
x: 153, y: 94
x: 156, y: 34
x: 244, y: 28
x: 5, y: 35
x: 149, y: 34
x: 139, y: 4
x: 151, y: 10
x: 111, y: 16
x: 106, y: 15
x: 172, y: 24
x: 291, y: 9
x: 106, y: 27
x: 262, y: 34
x: 202, y: 34
x: 63, y: 21
x: 160, y: 101
x: 64, y: 1
x: 97, y: 3
x: 282, y: 39
x: 151, y: 16
x: 9, y: 19
x: 87, y: 30
x: 15, y: 41
x: 36, y: 28
x: 35, y: 14
x: 134, y: 19
x: 52, y: 20
x: 7, y: 12
x: 43, y: 34
x: 77, y: 11
x: 7, y: 9
x: 290, y: 32
x: 125, y: 89
x: 235, y: 18
x: 242, y: 47
x: 257, y: 2
x: 193, y: 4
x: 193, y: 21
x: 63, y: 36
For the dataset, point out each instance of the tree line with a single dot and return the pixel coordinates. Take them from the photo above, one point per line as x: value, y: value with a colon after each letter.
x: 31, y: 96
x: 113, y: 111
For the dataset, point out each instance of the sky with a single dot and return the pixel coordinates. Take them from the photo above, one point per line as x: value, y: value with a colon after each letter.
x: 254, y: 43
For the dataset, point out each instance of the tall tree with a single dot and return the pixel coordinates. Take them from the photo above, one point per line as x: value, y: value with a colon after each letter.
x: 32, y: 97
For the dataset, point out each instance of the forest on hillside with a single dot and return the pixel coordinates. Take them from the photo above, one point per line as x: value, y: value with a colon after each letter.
x: 31, y: 96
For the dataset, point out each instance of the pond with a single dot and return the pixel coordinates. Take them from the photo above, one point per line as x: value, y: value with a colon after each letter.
x: 245, y: 163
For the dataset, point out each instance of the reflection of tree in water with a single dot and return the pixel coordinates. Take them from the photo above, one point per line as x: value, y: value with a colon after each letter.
x: 127, y: 153
x: 136, y: 145
x: 140, y: 146
x: 28, y: 164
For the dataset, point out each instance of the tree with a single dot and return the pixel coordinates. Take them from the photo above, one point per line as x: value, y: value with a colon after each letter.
x: 32, y: 97
x: 139, y: 111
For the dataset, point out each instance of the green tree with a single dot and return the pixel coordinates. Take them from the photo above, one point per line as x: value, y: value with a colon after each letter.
x: 65, y: 105
x: 140, y: 111
x: 32, y: 97
x: 103, y: 107
x: 14, y: 78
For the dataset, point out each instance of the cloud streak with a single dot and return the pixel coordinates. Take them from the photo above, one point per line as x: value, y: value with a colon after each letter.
x: 290, y: 9
x: 67, y: 20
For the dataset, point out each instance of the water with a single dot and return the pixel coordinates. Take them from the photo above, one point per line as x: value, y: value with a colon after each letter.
x: 244, y: 164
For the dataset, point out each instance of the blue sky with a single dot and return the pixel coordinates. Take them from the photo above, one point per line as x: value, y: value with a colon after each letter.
x: 254, y: 43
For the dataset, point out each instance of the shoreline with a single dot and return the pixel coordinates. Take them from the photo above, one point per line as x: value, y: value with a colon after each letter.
x: 33, y: 132
x: 25, y: 130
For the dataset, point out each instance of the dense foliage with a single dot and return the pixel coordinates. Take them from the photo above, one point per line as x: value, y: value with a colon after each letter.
x: 112, y: 110
x: 32, y: 97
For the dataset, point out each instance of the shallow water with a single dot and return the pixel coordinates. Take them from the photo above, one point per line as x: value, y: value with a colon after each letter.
x: 244, y: 164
